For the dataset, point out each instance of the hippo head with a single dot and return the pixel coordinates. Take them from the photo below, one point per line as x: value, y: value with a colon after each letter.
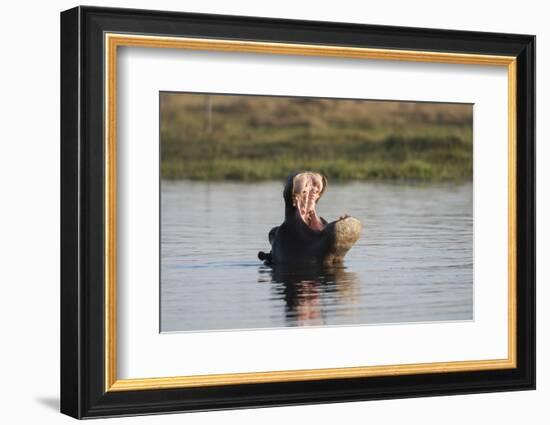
x: 305, y: 237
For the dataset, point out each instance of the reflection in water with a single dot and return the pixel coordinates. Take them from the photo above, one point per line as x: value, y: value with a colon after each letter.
x: 310, y: 293
x: 412, y: 263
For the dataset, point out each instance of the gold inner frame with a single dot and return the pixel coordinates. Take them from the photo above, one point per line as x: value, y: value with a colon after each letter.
x: 113, y: 41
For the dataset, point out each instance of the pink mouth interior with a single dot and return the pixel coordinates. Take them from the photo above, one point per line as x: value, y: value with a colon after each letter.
x: 307, y: 189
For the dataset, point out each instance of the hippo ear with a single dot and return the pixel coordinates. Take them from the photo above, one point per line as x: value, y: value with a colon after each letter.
x: 324, y: 186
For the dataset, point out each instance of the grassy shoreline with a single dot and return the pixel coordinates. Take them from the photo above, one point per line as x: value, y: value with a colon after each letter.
x: 242, y: 170
x: 264, y: 139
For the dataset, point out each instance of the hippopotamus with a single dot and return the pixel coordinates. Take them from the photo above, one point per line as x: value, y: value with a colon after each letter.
x: 304, y: 238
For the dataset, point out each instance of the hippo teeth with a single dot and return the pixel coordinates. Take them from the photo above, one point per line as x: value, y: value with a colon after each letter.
x: 309, y: 217
x: 306, y: 192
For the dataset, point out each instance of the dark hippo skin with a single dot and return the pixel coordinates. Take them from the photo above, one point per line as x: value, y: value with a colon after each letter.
x: 304, y: 238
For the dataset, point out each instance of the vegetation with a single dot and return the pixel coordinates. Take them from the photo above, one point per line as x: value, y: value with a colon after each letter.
x: 249, y: 138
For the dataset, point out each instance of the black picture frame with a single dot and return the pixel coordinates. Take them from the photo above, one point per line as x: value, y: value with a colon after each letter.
x: 83, y: 392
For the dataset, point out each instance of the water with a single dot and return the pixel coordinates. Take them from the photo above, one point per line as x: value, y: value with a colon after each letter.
x: 413, y: 261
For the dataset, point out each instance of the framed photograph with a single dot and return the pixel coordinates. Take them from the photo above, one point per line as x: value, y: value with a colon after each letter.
x: 261, y: 212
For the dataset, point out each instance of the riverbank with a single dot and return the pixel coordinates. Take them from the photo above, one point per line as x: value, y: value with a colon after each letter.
x: 255, y: 139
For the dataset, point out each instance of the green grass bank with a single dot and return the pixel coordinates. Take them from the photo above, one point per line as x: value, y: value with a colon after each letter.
x: 253, y: 138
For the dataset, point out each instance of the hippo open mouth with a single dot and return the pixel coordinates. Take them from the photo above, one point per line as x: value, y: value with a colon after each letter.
x: 307, y: 189
x: 304, y: 237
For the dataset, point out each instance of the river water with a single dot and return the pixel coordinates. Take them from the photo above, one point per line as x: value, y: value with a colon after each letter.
x: 413, y: 262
